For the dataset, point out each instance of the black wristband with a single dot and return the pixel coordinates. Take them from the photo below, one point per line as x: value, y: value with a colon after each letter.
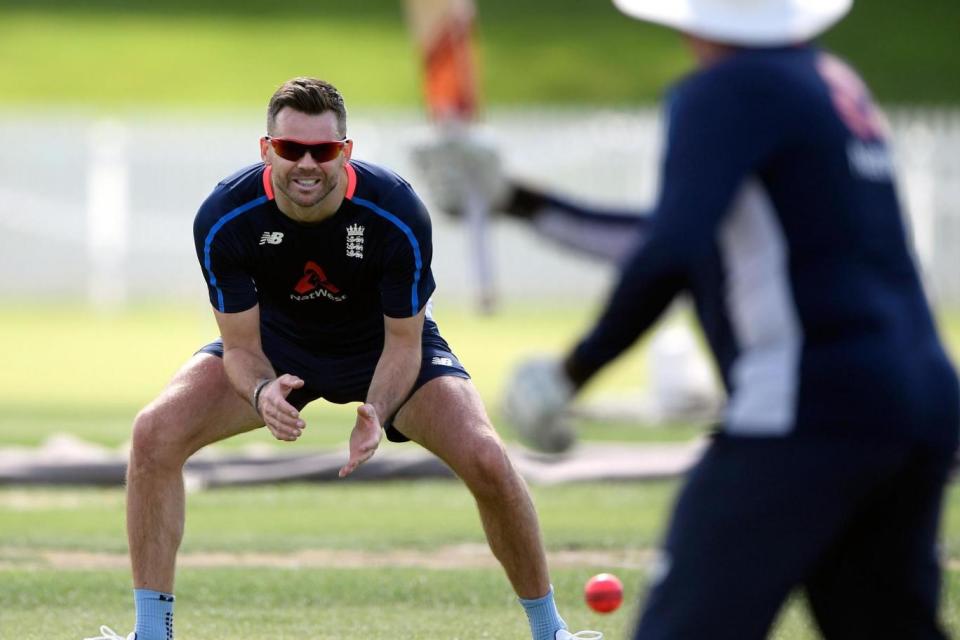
x: 261, y: 385
x: 575, y: 372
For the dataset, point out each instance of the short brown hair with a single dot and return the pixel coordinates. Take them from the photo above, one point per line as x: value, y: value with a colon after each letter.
x: 310, y: 96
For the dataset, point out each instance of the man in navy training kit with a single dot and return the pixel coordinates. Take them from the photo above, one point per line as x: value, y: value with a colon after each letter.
x: 318, y: 268
x: 778, y: 213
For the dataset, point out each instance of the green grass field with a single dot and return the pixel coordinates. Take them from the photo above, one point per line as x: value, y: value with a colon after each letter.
x: 350, y: 561
x: 134, y: 55
x: 343, y: 561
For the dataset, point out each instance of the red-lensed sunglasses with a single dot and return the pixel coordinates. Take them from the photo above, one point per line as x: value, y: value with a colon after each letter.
x: 293, y: 150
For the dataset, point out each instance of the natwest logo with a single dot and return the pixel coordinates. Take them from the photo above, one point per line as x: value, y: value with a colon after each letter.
x: 314, y: 284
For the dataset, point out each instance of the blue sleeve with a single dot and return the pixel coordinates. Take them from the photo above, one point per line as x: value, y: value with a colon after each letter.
x: 407, y: 281
x: 229, y: 284
x: 714, y: 142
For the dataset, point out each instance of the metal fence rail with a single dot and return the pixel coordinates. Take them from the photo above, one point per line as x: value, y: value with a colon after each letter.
x: 102, y: 211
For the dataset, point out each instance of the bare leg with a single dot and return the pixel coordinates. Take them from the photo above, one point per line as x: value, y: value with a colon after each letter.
x: 197, y: 408
x: 447, y: 417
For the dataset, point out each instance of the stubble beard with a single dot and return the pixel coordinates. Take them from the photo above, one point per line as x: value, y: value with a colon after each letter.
x: 326, y: 187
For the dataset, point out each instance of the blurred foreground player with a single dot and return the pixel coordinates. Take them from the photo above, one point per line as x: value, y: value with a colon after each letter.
x: 318, y: 269
x: 778, y: 212
x: 681, y: 381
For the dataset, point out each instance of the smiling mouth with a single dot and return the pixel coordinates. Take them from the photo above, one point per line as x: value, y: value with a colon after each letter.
x: 306, y: 183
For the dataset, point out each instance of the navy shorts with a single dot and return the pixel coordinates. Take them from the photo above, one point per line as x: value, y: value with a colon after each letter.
x: 347, y: 378
x: 852, y: 523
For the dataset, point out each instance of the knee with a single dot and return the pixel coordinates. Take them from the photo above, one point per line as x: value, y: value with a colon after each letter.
x: 153, y: 446
x: 490, y: 474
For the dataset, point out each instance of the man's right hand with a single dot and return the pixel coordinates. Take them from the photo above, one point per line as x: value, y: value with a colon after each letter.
x: 281, y: 417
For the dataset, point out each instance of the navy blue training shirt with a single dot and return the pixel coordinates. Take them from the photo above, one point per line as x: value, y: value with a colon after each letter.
x: 323, y: 287
x: 779, y: 213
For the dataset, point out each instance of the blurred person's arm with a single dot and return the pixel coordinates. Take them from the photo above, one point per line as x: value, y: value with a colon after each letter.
x: 607, y: 234
x: 713, y: 145
x: 451, y: 168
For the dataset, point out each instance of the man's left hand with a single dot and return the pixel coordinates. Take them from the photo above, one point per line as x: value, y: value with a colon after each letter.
x: 455, y: 167
x: 535, y: 401
x: 364, y: 439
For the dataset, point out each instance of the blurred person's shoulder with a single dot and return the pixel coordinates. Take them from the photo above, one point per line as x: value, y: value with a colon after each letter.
x: 751, y: 71
x: 752, y: 83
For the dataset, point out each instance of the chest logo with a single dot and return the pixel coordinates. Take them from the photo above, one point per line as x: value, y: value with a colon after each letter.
x: 271, y: 237
x: 355, y: 241
x: 314, y: 284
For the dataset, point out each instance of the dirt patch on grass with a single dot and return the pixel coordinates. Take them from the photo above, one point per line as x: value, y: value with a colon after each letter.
x: 449, y: 557
x: 465, y: 556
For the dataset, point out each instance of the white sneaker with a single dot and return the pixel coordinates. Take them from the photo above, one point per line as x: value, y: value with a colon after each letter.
x: 106, y: 633
x: 563, y: 634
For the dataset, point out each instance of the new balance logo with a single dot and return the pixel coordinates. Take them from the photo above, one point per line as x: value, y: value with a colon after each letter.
x: 268, y: 237
x: 446, y: 362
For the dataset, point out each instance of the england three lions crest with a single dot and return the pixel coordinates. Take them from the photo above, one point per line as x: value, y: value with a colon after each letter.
x: 355, y: 241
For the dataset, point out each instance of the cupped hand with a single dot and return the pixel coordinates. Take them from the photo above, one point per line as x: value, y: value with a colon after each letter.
x: 364, y: 439
x: 281, y: 417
